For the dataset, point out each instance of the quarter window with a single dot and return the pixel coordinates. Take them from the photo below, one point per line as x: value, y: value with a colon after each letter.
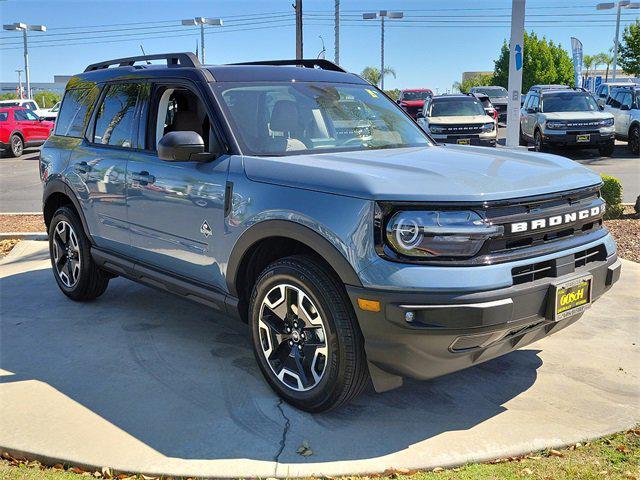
x: 75, y: 111
x: 115, y: 115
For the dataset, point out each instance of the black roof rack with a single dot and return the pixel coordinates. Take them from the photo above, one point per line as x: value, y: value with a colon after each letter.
x: 307, y: 63
x: 185, y: 59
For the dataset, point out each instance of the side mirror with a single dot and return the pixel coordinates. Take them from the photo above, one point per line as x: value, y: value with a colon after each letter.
x: 41, y: 119
x: 625, y: 107
x: 532, y: 110
x: 398, y: 101
x: 182, y: 147
x: 601, y: 107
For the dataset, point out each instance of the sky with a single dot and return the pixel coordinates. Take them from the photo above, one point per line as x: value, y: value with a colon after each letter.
x: 430, y: 47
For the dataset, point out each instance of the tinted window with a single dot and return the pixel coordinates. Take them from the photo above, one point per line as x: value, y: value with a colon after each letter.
x: 627, y: 99
x: 75, y: 111
x: 411, y: 96
x: 10, y: 104
x: 25, y: 115
x: 3, y: 116
x: 569, y: 102
x: 30, y: 106
x: 535, y: 101
x: 455, y: 107
x: 114, y: 119
x: 499, y: 92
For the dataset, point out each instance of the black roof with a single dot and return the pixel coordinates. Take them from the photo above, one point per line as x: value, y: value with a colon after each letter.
x: 186, y: 65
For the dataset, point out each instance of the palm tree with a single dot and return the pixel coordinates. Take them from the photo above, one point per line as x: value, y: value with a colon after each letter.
x: 605, y: 59
x: 587, y: 63
x: 372, y: 74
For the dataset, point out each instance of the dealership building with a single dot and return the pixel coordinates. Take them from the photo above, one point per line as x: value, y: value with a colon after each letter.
x: 57, y: 86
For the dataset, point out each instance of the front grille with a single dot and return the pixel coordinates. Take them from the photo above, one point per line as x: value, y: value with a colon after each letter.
x: 557, y: 267
x: 460, y: 129
x: 581, y: 124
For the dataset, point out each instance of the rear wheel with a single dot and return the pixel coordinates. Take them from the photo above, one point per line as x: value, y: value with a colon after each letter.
x: 523, y: 141
x: 634, y: 139
x: 16, y: 146
x: 538, y: 142
x: 305, y: 335
x: 75, y: 272
x: 606, y: 149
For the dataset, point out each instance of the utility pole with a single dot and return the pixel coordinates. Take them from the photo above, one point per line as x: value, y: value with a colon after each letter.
x: 24, y: 27
x: 337, y: 33
x: 516, y: 56
x: 202, y: 21
x: 19, y: 72
x: 620, y: 4
x: 299, y: 50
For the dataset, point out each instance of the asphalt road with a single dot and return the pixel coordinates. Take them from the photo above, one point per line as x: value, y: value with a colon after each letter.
x: 21, y: 191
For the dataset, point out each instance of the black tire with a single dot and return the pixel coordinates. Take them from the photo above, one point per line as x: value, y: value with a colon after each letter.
x: 538, y: 142
x: 16, y: 146
x: 634, y: 139
x: 606, y: 149
x: 88, y: 281
x: 523, y: 141
x: 345, y: 373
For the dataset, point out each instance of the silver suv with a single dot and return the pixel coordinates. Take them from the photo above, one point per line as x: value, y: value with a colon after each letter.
x: 624, y: 105
x: 565, y: 117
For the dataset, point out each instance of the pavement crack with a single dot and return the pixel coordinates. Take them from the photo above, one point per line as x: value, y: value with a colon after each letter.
x: 285, y: 431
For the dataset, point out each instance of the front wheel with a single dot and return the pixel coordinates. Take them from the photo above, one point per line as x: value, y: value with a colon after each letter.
x: 538, y: 142
x: 634, y: 139
x: 305, y: 335
x: 606, y: 149
x: 16, y: 146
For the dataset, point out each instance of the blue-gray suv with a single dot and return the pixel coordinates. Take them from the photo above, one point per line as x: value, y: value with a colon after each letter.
x: 302, y: 200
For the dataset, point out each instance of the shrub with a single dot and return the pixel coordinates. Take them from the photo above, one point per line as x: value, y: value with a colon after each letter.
x: 612, y: 194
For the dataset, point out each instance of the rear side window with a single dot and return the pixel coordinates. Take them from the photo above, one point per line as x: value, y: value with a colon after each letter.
x: 3, y: 116
x: 22, y: 115
x: 116, y: 114
x: 75, y: 111
x: 30, y: 106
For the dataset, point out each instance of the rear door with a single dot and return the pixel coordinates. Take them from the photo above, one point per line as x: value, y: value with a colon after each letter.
x: 30, y: 126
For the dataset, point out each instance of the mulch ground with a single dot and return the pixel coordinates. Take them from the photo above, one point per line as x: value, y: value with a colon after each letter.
x: 625, y: 230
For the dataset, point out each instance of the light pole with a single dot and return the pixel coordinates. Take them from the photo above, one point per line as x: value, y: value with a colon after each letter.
x: 24, y: 27
x: 382, y: 14
x: 19, y: 72
x: 620, y: 4
x: 202, y: 21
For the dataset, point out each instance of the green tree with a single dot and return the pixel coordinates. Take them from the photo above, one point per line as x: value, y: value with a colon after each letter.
x: 8, y: 96
x: 372, y: 74
x: 629, y: 49
x: 605, y: 59
x: 393, y: 93
x: 46, y: 99
x: 543, y: 62
x: 474, y: 81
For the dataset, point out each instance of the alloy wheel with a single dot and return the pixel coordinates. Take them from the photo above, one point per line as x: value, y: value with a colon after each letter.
x: 66, y: 254
x: 16, y: 146
x: 292, y: 337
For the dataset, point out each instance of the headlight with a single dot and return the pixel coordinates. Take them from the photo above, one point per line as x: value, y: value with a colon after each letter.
x: 431, y: 234
x: 435, y: 129
x: 488, y: 127
x: 555, y: 125
x: 607, y: 122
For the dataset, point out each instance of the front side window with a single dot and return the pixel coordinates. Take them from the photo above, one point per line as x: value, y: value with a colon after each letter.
x: 569, y: 102
x: 278, y: 119
x: 455, y: 107
x: 115, y: 116
x: 25, y: 115
x: 75, y: 111
x: 627, y: 99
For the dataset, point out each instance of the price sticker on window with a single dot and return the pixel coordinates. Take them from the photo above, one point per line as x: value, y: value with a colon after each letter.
x: 371, y: 92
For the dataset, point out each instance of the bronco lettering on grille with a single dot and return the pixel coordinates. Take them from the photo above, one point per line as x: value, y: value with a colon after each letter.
x: 556, y: 220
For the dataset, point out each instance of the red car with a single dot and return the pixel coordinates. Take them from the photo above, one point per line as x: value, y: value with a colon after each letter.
x: 21, y: 128
x: 412, y: 100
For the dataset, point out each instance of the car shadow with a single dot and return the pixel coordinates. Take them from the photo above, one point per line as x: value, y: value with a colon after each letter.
x: 182, y: 379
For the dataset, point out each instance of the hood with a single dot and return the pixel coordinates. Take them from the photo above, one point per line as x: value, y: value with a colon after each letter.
x: 599, y: 115
x: 499, y: 100
x: 458, y: 120
x: 437, y: 173
x: 412, y: 103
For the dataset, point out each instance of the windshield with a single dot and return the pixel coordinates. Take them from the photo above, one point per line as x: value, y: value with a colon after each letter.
x: 455, y: 107
x: 492, y: 92
x: 56, y: 107
x: 411, y: 96
x: 285, y: 119
x: 568, y: 102
x: 10, y: 104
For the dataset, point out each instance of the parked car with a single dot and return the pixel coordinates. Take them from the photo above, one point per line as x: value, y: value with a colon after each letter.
x: 412, y: 100
x: 539, y: 88
x: 350, y: 258
x: 27, y: 103
x: 487, y: 105
x: 499, y: 99
x: 459, y: 119
x: 21, y: 128
x: 604, y: 90
x: 565, y: 117
x: 624, y: 105
x: 52, y: 113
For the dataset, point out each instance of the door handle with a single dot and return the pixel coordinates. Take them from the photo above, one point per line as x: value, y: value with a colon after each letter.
x: 82, y: 167
x: 144, y: 178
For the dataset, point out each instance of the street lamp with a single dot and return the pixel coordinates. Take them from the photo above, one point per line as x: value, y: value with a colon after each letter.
x: 24, y: 27
x: 620, y: 5
x: 202, y: 21
x: 382, y: 14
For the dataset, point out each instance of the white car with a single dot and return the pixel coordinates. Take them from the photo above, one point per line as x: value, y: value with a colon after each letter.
x: 603, y: 92
x: 624, y: 105
x: 51, y: 114
x: 459, y: 119
x: 27, y: 103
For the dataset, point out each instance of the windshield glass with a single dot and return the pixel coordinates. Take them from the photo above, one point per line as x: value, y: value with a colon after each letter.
x: 10, y: 104
x: 568, y: 102
x: 492, y: 92
x: 411, y: 96
x: 455, y: 107
x: 284, y: 119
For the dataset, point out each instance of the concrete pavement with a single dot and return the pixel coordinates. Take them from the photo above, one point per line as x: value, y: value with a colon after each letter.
x: 142, y: 381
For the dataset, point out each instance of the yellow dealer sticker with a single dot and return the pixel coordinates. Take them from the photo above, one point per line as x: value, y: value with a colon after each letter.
x: 371, y: 92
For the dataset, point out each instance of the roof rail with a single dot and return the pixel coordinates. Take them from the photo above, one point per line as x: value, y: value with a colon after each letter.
x: 185, y: 59
x: 307, y: 63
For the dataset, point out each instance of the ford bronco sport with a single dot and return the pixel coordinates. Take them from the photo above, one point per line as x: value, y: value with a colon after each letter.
x: 358, y: 252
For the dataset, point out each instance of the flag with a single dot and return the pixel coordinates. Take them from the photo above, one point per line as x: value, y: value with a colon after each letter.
x: 576, y: 50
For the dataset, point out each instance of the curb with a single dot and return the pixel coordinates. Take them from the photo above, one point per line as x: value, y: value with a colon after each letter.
x: 17, y: 214
x: 24, y: 235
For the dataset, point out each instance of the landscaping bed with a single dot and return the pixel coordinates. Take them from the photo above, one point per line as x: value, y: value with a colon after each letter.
x: 21, y: 223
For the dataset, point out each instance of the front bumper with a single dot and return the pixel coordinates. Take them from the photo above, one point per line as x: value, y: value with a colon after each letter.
x: 570, y: 138
x: 482, y: 140
x: 452, y: 331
